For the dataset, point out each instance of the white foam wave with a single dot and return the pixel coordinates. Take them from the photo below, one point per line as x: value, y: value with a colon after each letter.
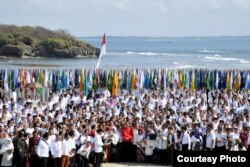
x: 168, y: 54
x: 176, y: 63
x: 186, y: 66
x: 218, y: 57
x: 128, y: 52
x: 244, y: 61
x: 209, y: 51
x: 149, y: 53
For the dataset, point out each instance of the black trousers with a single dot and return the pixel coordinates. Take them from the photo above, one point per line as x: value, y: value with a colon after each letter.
x: 184, y: 147
x: 18, y: 161
x: 33, y: 160
x: 163, y: 155
x: 81, y: 161
x: 223, y: 148
x: 128, y: 152
x: 43, y: 162
x: 56, y: 162
x: 98, y: 159
x: 72, y: 161
x: 148, y: 159
x: 208, y: 149
x: 114, y: 153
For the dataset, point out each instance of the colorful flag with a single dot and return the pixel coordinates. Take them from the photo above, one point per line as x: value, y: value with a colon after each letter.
x: 115, y: 84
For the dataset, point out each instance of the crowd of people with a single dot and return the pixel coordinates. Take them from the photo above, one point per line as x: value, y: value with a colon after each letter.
x: 72, y: 129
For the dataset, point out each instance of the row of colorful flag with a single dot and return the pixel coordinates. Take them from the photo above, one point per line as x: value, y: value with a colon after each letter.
x: 114, y: 80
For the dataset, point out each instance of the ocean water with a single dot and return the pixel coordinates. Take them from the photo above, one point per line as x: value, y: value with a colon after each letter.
x: 153, y: 52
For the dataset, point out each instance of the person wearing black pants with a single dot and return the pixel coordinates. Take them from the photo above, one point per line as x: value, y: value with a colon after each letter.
x: 127, y: 146
x: 186, y: 140
x: 20, y: 149
x: 43, y: 151
x: 98, y: 149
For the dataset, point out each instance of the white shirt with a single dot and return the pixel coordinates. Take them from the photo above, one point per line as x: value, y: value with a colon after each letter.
x: 7, y: 158
x: 210, y: 137
x: 42, y: 149
x: 115, y: 138
x: 98, y: 144
x: 219, y: 139
x: 65, y: 148
x: 84, y: 151
x: 56, y: 149
x: 186, y: 140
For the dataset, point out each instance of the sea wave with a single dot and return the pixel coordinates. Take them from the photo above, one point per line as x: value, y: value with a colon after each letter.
x: 242, y: 61
x: 218, y: 57
x: 149, y: 53
x: 209, y: 51
x: 177, y: 63
x: 128, y: 52
x: 186, y: 66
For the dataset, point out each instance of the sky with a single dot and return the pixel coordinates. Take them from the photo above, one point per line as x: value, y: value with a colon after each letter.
x: 158, y: 18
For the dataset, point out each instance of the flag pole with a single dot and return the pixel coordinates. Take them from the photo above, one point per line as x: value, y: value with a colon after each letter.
x: 103, y: 51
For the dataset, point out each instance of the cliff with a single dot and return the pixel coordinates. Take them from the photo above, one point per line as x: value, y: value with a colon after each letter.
x: 29, y: 41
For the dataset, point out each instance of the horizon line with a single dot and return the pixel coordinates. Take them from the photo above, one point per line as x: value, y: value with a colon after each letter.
x: 147, y: 36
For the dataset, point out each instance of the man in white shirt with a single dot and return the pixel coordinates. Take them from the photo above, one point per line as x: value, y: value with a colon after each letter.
x: 56, y: 150
x: 210, y: 138
x: 186, y: 140
x: 221, y: 138
x: 43, y: 150
x: 98, y: 148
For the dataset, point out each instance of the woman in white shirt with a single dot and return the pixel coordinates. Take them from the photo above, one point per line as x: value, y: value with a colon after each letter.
x: 66, y: 151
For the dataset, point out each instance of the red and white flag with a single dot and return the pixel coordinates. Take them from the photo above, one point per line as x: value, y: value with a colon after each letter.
x: 103, y: 51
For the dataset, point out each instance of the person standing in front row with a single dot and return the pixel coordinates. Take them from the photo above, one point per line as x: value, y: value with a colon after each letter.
x: 43, y: 150
x: 210, y: 138
x: 127, y: 139
x: 56, y: 150
x: 98, y: 148
x: 84, y: 152
x: 186, y: 140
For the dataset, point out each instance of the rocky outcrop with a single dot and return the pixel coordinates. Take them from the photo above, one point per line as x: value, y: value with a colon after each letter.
x: 73, y: 52
x: 28, y: 51
x: 16, y: 51
x: 33, y: 42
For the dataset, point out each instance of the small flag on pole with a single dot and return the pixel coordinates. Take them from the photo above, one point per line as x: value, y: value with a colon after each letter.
x: 103, y: 51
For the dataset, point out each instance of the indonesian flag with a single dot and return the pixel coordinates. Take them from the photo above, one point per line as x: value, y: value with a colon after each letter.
x: 103, y: 50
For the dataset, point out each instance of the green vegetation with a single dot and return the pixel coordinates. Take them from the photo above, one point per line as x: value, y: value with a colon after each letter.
x: 41, y: 38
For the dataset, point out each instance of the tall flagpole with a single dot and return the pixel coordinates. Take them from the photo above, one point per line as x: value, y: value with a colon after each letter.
x: 103, y: 51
